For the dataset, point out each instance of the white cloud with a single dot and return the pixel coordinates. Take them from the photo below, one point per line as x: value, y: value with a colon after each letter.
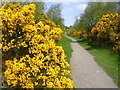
x: 81, y: 6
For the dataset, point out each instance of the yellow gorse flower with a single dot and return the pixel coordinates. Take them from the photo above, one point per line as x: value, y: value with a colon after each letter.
x: 31, y: 56
x: 107, y: 29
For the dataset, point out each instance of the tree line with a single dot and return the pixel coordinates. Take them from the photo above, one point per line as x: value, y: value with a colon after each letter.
x: 93, y: 12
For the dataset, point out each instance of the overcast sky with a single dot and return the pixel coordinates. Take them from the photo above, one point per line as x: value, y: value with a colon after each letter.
x: 70, y: 9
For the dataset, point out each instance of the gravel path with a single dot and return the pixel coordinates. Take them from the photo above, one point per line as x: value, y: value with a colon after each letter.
x: 84, y: 70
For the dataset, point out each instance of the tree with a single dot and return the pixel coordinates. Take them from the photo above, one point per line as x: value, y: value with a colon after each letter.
x: 93, y: 12
x: 54, y: 13
x: 118, y: 7
x: 79, y: 24
x: 40, y: 9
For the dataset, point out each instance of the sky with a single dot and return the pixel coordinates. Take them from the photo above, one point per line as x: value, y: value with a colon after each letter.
x: 70, y: 10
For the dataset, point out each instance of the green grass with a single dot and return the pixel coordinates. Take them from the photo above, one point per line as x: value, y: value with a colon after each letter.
x: 105, y: 57
x: 66, y: 44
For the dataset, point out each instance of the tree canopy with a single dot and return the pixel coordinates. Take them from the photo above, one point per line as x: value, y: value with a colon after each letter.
x: 93, y: 12
x: 54, y: 13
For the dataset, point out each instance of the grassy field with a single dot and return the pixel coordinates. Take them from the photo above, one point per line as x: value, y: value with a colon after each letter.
x: 66, y: 44
x: 105, y: 57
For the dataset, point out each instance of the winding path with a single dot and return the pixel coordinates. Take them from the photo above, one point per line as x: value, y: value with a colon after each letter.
x: 85, y: 72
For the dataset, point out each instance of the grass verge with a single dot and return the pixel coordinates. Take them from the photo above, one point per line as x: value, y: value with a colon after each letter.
x: 105, y: 57
x: 66, y: 44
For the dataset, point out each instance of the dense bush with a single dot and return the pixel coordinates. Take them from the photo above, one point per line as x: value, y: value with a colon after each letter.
x: 30, y: 54
x: 107, y: 30
x: 70, y: 32
x: 80, y: 34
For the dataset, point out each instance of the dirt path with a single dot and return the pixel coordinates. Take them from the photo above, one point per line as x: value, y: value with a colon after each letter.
x: 84, y: 70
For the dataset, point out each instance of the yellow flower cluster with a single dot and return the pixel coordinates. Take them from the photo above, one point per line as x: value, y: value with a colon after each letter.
x: 80, y: 34
x: 30, y: 54
x: 69, y: 31
x: 54, y: 30
x: 77, y: 34
x: 35, y: 72
x: 106, y: 30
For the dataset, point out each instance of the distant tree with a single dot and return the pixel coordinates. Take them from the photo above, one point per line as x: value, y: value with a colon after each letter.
x: 40, y: 9
x: 78, y: 24
x: 118, y: 7
x: 54, y: 13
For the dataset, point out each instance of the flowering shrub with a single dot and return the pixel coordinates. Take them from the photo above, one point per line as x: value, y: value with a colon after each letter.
x: 70, y: 32
x: 30, y: 54
x: 80, y: 34
x: 53, y: 29
x: 106, y: 30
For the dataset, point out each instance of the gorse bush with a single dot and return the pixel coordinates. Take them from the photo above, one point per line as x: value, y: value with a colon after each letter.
x: 70, y: 31
x: 80, y: 34
x: 30, y: 54
x: 107, y: 30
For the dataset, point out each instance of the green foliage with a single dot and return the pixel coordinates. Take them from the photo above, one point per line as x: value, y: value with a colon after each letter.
x: 118, y: 7
x: 54, y: 13
x: 39, y: 12
x: 105, y: 32
x: 93, y: 12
